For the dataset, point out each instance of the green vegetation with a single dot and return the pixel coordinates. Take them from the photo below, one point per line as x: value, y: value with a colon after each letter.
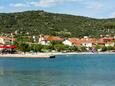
x: 104, y: 48
x: 53, y: 46
x: 40, y: 22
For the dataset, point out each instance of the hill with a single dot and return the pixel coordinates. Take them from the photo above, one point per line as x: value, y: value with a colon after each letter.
x: 40, y: 22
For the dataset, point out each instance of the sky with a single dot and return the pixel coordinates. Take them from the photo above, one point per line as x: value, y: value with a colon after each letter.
x: 89, y: 8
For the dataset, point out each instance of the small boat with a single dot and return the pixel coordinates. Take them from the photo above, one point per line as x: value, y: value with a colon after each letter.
x: 52, y: 56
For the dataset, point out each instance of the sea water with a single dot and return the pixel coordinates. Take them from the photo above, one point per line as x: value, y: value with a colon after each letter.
x: 64, y: 70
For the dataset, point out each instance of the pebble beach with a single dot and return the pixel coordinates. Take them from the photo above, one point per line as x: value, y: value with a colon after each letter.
x: 47, y: 55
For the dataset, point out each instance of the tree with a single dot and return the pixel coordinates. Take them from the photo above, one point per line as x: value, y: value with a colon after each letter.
x: 37, y: 22
x: 98, y: 47
x: 83, y: 49
x: 110, y: 48
x: 36, y: 47
x: 73, y: 48
x: 104, y: 48
x: 24, y: 47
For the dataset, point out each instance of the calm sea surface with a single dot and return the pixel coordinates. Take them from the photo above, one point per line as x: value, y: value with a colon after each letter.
x: 66, y: 70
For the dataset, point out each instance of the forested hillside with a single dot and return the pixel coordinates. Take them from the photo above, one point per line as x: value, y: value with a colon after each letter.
x: 40, y: 22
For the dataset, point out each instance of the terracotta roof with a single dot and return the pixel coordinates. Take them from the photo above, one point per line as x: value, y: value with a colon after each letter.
x: 109, y: 43
x: 105, y: 40
x: 108, y: 39
x: 88, y: 40
x: 83, y: 40
x: 78, y: 43
x: 53, y: 38
x: 75, y: 41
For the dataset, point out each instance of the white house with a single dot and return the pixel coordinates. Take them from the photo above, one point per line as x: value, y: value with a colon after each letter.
x: 109, y: 44
x: 67, y: 42
x: 46, y: 40
x: 71, y: 42
x: 6, y: 40
x: 42, y: 40
x: 2, y: 41
x: 87, y: 44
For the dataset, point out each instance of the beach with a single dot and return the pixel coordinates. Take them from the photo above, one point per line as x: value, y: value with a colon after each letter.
x: 31, y: 55
x: 47, y: 55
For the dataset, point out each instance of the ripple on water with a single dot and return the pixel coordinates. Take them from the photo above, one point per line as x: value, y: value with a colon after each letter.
x: 68, y: 70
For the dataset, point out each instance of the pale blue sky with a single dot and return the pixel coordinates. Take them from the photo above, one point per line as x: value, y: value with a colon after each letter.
x: 90, y: 8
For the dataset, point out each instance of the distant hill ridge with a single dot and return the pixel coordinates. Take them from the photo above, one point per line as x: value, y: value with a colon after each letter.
x: 40, y: 22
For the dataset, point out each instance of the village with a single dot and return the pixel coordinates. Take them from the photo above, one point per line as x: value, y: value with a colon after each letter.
x: 47, y: 43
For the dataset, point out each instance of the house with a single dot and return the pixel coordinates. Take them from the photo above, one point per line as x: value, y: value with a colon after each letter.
x: 88, y: 42
x: 46, y: 40
x: 43, y: 40
x: 71, y: 42
x: 54, y: 38
x: 67, y: 42
x: 6, y: 40
x: 101, y: 42
x: 109, y: 44
x: 108, y: 39
x: 106, y: 42
x: 2, y: 41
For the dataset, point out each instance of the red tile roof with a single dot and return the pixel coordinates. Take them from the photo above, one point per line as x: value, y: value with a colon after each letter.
x: 109, y: 43
x: 53, y: 38
x: 75, y: 41
x: 105, y: 40
x: 88, y: 40
x: 78, y: 42
x: 109, y: 39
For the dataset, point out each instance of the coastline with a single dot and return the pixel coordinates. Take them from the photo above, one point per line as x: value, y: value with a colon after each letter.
x: 47, y: 55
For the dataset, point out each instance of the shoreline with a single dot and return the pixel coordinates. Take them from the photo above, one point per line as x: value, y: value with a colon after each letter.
x: 47, y: 55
